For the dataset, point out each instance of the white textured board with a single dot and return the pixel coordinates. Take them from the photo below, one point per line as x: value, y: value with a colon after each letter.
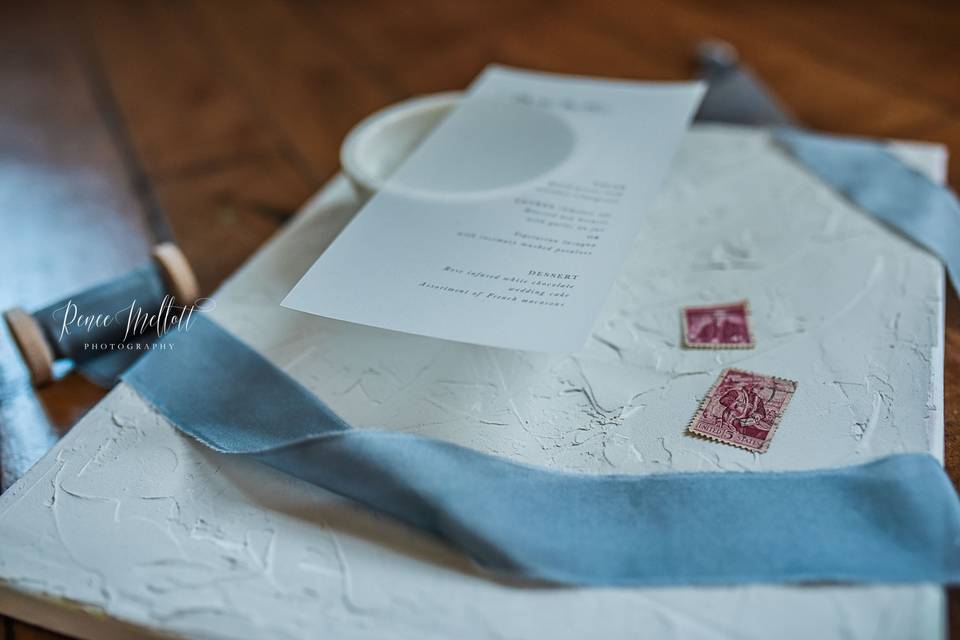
x: 127, y: 521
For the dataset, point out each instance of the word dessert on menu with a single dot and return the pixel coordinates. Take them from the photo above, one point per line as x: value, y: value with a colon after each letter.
x: 509, y: 223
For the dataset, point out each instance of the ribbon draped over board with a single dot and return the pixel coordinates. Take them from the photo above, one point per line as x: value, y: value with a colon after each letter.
x: 877, y: 182
x: 894, y: 520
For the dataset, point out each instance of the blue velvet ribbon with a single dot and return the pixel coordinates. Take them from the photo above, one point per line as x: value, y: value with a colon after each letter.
x: 862, y: 170
x: 877, y: 182
x: 893, y: 520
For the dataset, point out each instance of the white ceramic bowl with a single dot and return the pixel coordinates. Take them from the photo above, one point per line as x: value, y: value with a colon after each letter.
x: 377, y: 145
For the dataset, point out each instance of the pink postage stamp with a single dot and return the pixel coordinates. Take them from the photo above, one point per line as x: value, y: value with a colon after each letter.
x: 743, y: 409
x: 718, y: 326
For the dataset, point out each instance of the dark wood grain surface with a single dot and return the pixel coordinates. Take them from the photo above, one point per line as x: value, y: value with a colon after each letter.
x: 124, y: 123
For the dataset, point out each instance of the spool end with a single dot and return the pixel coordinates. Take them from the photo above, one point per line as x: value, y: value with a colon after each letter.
x: 176, y: 272
x: 33, y: 345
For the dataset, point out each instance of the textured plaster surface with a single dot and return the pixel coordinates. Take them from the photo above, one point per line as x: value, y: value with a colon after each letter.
x: 127, y: 521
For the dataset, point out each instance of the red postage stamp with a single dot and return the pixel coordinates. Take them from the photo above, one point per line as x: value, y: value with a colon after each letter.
x: 743, y: 409
x: 718, y: 326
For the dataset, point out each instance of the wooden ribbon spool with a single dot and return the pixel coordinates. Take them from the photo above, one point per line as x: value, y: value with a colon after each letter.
x: 37, y: 353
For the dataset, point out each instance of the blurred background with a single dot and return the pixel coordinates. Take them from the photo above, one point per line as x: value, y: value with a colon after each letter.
x: 124, y: 123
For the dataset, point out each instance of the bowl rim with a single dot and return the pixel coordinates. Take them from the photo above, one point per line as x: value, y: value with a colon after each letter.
x: 375, y: 123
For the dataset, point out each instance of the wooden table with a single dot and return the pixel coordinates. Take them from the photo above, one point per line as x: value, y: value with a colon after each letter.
x: 126, y: 123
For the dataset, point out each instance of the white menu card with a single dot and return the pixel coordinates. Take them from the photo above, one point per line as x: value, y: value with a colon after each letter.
x: 507, y: 226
